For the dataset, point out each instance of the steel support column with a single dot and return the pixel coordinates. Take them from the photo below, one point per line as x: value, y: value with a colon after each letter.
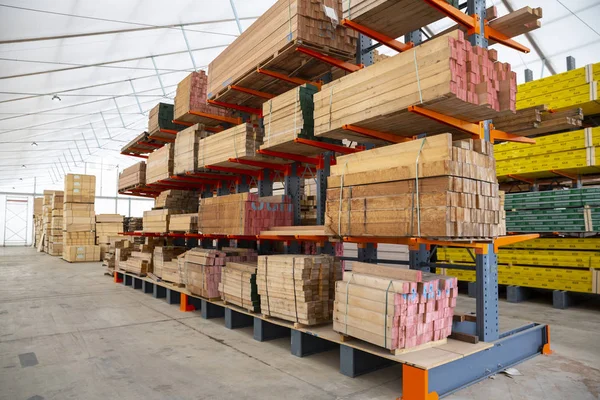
x: 322, y: 175
x: 265, y: 185
x: 486, y: 280
x: 528, y: 75
x: 477, y: 7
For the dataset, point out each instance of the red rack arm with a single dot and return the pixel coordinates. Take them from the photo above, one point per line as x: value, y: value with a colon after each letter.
x: 388, y: 137
x: 380, y: 37
x: 229, y: 120
x: 327, y: 146
x: 290, y: 79
x: 237, y: 107
x: 253, y: 92
x: 259, y: 164
x: 346, y: 66
x: 289, y: 156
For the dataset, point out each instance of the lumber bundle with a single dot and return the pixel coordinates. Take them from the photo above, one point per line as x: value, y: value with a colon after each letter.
x: 79, y: 238
x: 239, y: 142
x: 374, y: 193
x: 158, y: 220
x: 133, y: 176
x: 110, y: 255
x: 186, y: 149
x: 538, y: 120
x: 191, y: 97
x: 395, y: 308
x: 243, y: 214
x: 570, y: 152
x: 121, y: 255
x: 79, y: 219
x: 55, y: 230
x: 141, y: 144
x: 132, y: 224
x: 297, y: 287
x: 80, y: 188
x: 570, y: 210
x: 161, y: 117
x: 308, y: 210
x: 447, y: 75
x: 568, y: 90
x: 84, y: 253
x: 185, y: 201
x: 163, y: 254
x: 287, y: 117
x: 108, y: 227
x: 238, y: 285
x: 160, y: 164
x: 271, y: 42
x: 546, y: 263
x: 138, y: 263
x: 172, y: 271
x: 184, y: 223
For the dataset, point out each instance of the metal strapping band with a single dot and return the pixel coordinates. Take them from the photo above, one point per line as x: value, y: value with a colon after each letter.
x: 347, y: 294
x: 330, y: 105
x: 270, y: 118
x: 267, y: 285
x: 294, y: 284
x: 417, y: 72
x: 341, y: 200
x: 412, y: 208
x: 386, y: 315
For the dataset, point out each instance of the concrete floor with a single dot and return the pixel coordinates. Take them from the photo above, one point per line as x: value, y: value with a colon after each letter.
x: 68, y: 332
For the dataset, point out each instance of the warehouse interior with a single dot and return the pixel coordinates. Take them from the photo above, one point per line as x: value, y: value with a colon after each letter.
x: 315, y: 199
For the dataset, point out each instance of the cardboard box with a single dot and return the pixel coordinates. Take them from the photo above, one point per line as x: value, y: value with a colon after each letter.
x: 81, y: 253
x: 38, y: 203
x: 80, y: 188
x: 79, y: 238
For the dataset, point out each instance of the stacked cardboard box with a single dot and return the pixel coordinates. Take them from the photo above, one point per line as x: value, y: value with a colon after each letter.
x: 244, y: 214
x: 133, y: 176
x: 55, y: 245
x: 108, y: 227
x: 160, y: 164
x: 79, y: 219
x: 185, y: 201
x: 186, y: 149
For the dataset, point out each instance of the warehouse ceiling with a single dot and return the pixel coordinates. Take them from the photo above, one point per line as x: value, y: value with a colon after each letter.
x: 111, y: 61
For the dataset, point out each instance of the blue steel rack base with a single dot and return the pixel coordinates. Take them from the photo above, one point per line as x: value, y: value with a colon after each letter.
x: 427, y: 374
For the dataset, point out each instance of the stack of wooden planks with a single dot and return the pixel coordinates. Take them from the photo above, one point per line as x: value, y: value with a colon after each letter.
x: 308, y: 210
x: 296, y: 287
x: 183, y: 200
x: 121, y: 255
x: 446, y: 75
x: 191, y: 97
x: 81, y: 253
x: 161, y: 118
x: 108, y: 227
x: 172, y: 271
x: 238, y: 285
x: 186, y: 149
x: 184, y: 223
x: 133, y: 176
x: 138, y: 263
x: 430, y: 187
x: 202, y: 271
x: 271, y: 42
x: 80, y: 189
x: 395, y: 308
x: 538, y: 120
x: 110, y: 256
x: 157, y: 221
x: 290, y: 116
x: 239, y: 142
x: 243, y: 214
x: 55, y: 231
x: 547, y: 263
x: 569, y: 152
x: 141, y: 144
x: 160, y: 164
x: 162, y: 254
x: 568, y: 90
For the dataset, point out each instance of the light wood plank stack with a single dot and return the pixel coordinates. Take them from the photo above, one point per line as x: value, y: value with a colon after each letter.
x: 270, y: 43
x: 55, y: 232
x: 160, y: 164
x: 108, y: 227
x: 161, y: 117
x: 202, y: 271
x: 538, y: 120
x: 186, y: 149
x: 191, y: 95
x: 240, y: 142
x: 243, y: 214
x: 184, y: 223
x: 296, y: 287
x: 172, y: 271
x: 133, y: 176
x: 138, y: 263
x: 157, y: 221
x: 457, y: 193
x: 84, y: 253
x: 395, y: 308
x: 447, y: 75
x: 80, y: 188
x: 162, y: 254
x: 110, y: 256
x: 238, y: 285
x: 287, y: 117
x: 185, y: 201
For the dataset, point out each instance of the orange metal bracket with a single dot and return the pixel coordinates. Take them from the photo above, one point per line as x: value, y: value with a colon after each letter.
x: 165, y: 140
x: 290, y: 79
x: 346, y: 66
x: 183, y: 304
x: 253, y: 92
x: 564, y: 174
x: 508, y: 240
x: 134, y: 155
x: 237, y: 107
x: 184, y: 123
x: 381, y: 38
x: 229, y: 120
x: 388, y: 137
x: 472, y: 23
x: 415, y: 384
x: 327, y: 146
x: 169, y: 131
x: 522, y: 179
x: 476, y: 130
x: 546, y: 350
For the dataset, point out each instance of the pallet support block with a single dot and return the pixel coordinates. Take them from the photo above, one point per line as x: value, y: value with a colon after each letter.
x: 354, y: 362
x: 517, y: 294
x: 127, y: 280
x: 234, y: 319
x: 264, y: 330
x: 561, y: 299
x: 159, y: 292
x: 137, y: 283
x: 196, y: 302
x: 210, y: 310
x: 147, y: 287
x: 173, y: 297
x: 305, y: 344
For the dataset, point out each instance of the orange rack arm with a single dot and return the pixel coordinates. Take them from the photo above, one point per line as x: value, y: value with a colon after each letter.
x: 346, y: 66
x: 328, y: 146
x: 229, y: 120
x: 381, y: 38
x: 237, y: 107
x: 508, y: 240
x: 388, y: 137
x: 522, y: 179
x: 253, y: 92
x: 290, y: 79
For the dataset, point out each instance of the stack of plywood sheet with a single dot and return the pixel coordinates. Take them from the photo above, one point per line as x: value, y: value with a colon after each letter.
x: 108, y: 227
x: 184, y: 223
x: 447, y: 75
x: 157, y: 221
x: 431, y: 187
x: 164, y: 254
x: 183, y: 200
x: 238, y: 285
x: 161, y: 118
x: 395, y: 308
x: 271, y: 42
x: 133, y: 176
x: 79, y: 219
x: 55, y: 238
x: 243, y: 214
x: 186, y: 149
x: 138, y: 263
x: 239, y: 142
x: 160, y: 164
x: 295, y: 287
x: 287, y: 117
x: 191, y: 97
